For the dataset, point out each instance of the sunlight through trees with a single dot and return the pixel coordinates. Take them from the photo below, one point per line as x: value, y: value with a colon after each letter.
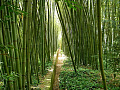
x: 32, y: 31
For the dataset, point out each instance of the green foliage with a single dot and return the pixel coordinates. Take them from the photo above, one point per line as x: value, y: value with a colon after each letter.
x: 111, y: 55
x: 12, y: 76
x: 6, y: 47
x: 69, y: 80
x: 2, y: 7
x: 34, y: 80
x: 72, y: 4
x: 48, y: 64
x: 5, y: 77
x: 86, y: 79
x: 11, y: 8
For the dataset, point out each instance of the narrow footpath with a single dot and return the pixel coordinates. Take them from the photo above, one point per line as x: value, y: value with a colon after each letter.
x: 61, y: 58
x: 46, y: 80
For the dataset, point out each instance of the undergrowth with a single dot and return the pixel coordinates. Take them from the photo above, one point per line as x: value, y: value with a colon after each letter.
x: 48, y: 66
x: 86, y: 79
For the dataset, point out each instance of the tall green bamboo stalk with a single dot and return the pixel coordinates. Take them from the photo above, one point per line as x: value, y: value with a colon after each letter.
x: 100, y: 43
x: 25, y: 27
x: 28, y: 43
x: 4, y: 60
x: 14, y: 33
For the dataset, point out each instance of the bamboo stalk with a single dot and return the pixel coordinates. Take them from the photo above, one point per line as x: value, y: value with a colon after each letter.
x: 64, y: 30
x: 100, y: 43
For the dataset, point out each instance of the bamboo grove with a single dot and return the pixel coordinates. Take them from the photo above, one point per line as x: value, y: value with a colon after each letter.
x: 29, y: 37
x: 92, y: 29
x: 28, y: 40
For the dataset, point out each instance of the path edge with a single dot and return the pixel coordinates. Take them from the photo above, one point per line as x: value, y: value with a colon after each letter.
x: 54, y: 72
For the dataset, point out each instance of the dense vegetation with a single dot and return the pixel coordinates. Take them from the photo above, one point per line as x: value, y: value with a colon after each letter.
x: 29, y: 36
x: 86, y: 79
x: 28, y: 40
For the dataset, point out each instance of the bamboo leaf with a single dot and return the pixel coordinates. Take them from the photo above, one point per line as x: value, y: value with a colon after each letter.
x: 8, y: 16
x: 3, y: 47
x: 2, y: 7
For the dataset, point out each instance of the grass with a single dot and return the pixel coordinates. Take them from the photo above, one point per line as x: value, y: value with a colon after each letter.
x: 86, y: 79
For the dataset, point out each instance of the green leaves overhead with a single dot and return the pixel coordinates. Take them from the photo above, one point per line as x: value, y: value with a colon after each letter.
x: 15, y: 9
x: 12, y: 8
x: 73, y: 4
x: 2, y: 7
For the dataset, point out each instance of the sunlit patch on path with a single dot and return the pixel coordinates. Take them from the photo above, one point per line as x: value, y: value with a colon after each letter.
x: 61, y: 58
x: 46, y: 80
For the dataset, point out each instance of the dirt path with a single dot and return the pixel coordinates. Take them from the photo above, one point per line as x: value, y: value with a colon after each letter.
x: 46, y: 80
x: 61, y: 58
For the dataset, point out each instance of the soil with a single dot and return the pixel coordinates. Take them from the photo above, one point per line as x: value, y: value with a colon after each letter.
x: 46, y: 80
x: 59, y: 64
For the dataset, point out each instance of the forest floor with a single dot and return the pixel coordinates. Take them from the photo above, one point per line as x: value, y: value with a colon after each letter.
x: 86, y: 79
x: 61, y: 58
x: 45, y: 80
